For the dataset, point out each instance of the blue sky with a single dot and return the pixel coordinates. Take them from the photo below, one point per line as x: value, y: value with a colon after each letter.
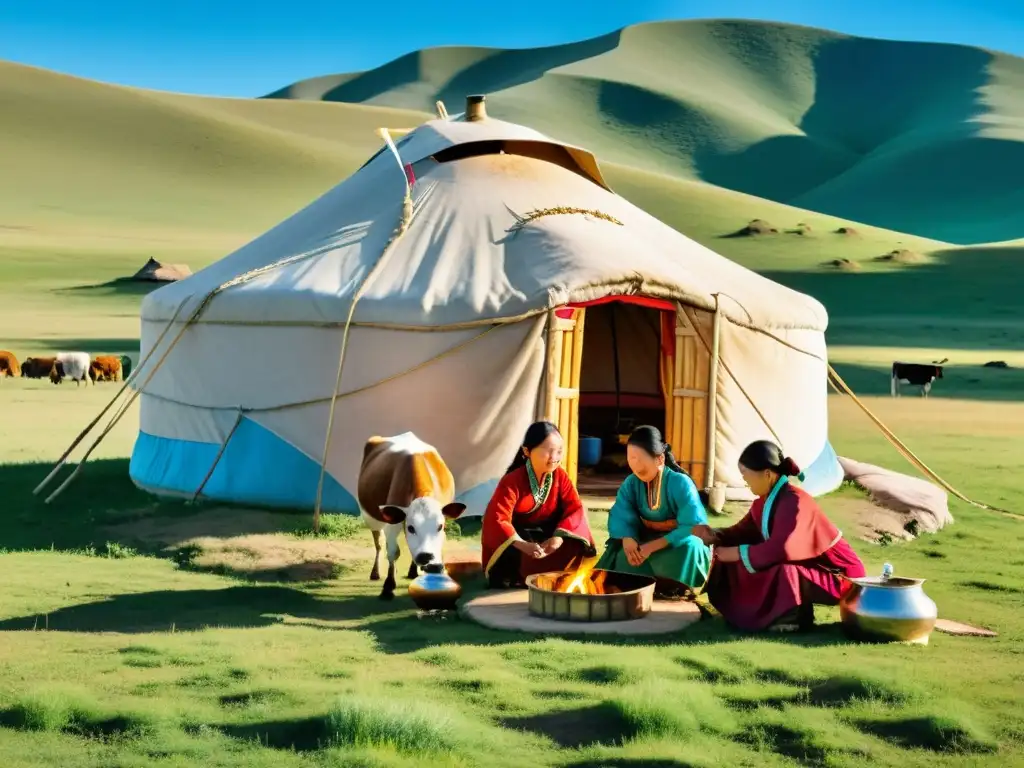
x: 249, y: 48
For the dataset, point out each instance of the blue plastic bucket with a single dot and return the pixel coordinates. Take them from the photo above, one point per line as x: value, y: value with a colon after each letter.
x: 590, y: 451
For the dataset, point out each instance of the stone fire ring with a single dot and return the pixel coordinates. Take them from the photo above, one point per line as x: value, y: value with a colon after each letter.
x: 509, y: 610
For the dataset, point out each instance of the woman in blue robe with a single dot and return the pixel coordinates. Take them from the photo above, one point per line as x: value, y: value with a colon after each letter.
x: 650, y: 525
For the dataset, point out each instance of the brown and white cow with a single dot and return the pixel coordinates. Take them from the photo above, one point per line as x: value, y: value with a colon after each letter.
x: 404, y: 484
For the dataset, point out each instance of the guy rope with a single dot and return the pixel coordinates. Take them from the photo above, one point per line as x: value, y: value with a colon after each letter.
x: 843, y: 388
x: 403, y: 225
x: 840, y: 386
x: 407, y: 211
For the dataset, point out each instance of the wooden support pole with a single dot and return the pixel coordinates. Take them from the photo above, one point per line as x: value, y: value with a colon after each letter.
x: 716, y: 329
x: 556, y: 328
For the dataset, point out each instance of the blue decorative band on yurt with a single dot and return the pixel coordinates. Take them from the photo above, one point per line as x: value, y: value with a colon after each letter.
x: 257, y: 468
x: 825, y: 473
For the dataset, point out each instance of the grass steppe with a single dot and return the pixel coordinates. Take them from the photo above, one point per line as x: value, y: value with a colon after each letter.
x: 126, y: 652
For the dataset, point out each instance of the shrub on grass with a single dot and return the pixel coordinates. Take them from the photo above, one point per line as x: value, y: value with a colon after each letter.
x: 332, y: 526
x: 396, y: 725
x: 58, y: 711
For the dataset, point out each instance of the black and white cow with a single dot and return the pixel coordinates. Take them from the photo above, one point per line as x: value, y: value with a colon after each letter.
x: 918, y: 374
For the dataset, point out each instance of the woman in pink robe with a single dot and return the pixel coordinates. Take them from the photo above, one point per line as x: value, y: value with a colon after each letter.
x: 784, y: 556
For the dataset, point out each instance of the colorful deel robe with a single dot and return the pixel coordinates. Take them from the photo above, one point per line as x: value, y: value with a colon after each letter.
x: 668, y: 506
x: 522, y: 509
x: 791, y: 556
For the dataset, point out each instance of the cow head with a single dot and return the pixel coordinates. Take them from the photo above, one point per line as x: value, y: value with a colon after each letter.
x: 424, y: 526
x: 938, y: 371
x: 28, y: 363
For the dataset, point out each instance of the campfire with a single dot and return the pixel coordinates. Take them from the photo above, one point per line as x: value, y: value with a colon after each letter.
x: 583, y: 580
x: 584, y: 593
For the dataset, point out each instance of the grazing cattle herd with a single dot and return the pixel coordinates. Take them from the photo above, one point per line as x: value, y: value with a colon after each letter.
x: 77, y: 366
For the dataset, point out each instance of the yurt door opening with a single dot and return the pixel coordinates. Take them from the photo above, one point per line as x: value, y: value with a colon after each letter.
x: 618, y: 363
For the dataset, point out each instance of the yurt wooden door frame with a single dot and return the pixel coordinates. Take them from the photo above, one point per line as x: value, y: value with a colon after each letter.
x: 686, y: 373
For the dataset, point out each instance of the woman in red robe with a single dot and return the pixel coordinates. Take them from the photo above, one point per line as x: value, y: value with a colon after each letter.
x: 535, y: 521
x: 784, y: 556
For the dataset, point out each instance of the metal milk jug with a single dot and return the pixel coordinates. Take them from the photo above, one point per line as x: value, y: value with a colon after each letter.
x: 434, y: 589
x: 888, y: 609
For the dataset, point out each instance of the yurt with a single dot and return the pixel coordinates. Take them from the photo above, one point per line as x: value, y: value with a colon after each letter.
x: 467, y: 280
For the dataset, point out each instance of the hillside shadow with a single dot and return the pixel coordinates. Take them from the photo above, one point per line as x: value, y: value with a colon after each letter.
x: 867, y: 93
x: 964, y: 298
x: 92, y: 346
x: 506, y: 69
x: 366, y: 85
x: 495, y: 71
x: 667, y: 125
x: 779, y: 168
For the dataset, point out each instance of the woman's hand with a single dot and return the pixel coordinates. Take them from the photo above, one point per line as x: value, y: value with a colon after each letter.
x: 632, y: 550
x: 728, y: 554
x: 551, y: 544
x: 705, y: 533
x: 646, y: 550
x: 529, y: 549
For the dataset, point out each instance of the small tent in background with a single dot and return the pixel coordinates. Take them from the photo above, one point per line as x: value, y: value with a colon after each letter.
x: 488, y: 278
x: 154, y: 271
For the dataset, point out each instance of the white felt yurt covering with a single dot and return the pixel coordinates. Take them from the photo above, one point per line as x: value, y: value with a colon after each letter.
x: 450, y: 330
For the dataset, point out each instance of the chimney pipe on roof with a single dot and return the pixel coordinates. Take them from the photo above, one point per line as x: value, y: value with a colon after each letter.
x: 475, y: 108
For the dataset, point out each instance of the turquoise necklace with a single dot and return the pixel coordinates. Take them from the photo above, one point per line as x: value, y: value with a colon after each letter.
x: 540, y: 493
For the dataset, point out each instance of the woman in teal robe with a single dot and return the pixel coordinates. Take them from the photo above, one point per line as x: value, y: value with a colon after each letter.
x: 650, y: 525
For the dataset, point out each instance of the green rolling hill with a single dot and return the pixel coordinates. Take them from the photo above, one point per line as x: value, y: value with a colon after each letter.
x: 98, y: 178
x: 92, y: 167
x: 916, y: 137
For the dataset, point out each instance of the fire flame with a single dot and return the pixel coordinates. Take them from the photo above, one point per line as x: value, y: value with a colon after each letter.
x: 582, y: 580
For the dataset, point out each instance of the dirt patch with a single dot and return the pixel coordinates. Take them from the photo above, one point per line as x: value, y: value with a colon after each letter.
x: 273, y: 557
x: 844, y: 265
x: 220, y: 522
x: 800, y: 229
x: 869, y: 521
x: 901, y: 256
x: 848, y: 232
x: 912, y: 505
x: 257, y: 544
